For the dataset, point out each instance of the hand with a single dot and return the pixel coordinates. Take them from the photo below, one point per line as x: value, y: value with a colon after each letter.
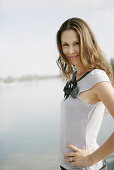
x: 79, y: 157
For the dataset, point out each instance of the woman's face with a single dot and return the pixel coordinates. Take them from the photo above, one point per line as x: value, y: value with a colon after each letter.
x: 70, y: 45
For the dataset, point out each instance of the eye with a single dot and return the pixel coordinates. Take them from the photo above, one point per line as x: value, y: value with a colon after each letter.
x: 77, y: 43
x: 65, y: 45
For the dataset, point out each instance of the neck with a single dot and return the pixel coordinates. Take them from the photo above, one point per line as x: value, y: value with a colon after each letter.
x: 81, y: 70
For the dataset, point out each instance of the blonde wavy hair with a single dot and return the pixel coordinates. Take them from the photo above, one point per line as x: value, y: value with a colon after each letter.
x: 90, y: 53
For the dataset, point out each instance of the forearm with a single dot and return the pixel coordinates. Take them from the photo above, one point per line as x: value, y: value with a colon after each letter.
x: 103, y: 151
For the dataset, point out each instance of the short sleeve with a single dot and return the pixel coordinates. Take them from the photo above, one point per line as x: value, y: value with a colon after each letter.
x: 92, y: 78
x: 97, y: 76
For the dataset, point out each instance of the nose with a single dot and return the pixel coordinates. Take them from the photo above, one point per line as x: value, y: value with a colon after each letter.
x: 71, y: 50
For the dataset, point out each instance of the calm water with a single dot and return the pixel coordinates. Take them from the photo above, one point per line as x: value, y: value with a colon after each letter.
x: 29, y: 125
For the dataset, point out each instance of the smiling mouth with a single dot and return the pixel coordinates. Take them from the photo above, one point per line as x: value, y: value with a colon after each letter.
x: 73, y: 56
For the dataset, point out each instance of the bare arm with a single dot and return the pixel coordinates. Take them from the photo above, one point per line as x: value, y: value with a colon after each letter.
x: 103, y: 151
x: 105, y: 92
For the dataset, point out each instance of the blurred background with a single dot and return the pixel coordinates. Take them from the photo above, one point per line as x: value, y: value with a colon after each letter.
x: 31, y: 89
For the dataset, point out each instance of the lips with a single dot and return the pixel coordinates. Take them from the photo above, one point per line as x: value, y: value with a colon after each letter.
x: 71, y: 57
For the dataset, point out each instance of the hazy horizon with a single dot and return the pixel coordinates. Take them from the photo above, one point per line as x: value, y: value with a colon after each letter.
x: 28, y: 32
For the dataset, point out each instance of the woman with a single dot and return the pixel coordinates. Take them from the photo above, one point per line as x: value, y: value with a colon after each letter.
x: 88, y: 91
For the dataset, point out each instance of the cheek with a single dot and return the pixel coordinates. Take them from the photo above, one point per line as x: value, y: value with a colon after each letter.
x: 65, y: 50
x: 77, y: 48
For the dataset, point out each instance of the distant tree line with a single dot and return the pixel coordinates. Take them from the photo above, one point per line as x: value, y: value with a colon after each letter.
x: 112, y: 63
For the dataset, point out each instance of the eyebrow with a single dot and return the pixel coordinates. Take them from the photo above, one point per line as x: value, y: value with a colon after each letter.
x: 73, y: 41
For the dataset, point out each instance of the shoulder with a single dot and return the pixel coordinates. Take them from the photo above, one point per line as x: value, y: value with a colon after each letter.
x: 103, y: 89
x: 101, y: 78
x: 96, y: 79
x: 105, y: 92
x: 98, y: 72
x: 98, y: 75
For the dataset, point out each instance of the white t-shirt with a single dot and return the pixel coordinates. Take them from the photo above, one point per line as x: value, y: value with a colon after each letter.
x: 80, y: 122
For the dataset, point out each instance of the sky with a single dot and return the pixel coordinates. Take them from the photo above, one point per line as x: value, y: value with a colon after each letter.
x: 28, y: 32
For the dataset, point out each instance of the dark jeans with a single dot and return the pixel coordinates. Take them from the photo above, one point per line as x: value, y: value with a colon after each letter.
x: 104, y: 167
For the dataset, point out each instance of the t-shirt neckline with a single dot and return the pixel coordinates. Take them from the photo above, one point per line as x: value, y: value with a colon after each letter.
x: 83, y: 76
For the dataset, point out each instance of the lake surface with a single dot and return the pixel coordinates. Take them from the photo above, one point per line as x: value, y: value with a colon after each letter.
x: 29, y: 125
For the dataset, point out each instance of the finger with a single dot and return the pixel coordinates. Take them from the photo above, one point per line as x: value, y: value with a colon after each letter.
x: 68, y: 160
x: 74, y: 148
x: 72, y: 164
x: 69, y: 154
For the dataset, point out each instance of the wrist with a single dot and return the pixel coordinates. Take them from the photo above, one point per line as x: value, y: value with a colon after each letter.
x: 91, y: 159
